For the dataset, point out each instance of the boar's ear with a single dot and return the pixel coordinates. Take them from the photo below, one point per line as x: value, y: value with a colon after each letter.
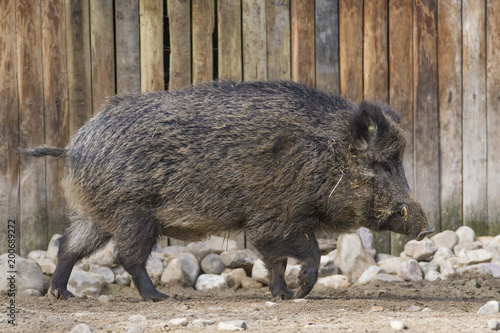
x: 366, y: 122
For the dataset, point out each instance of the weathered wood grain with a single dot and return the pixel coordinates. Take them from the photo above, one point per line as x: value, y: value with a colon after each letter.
x: 278, y: 39
x: 55, y: 97
x: 203, y: 21
x: 78, y: 60
x: 376, y: 74
x: 254, y: 40
x: 229, y: 39
x: 33, y: 213
x: 302, y: 13
x: 151, y: 44
x: 180, y: 46
x: 493, y: 110
x: 102, y: 48
x: 9, y: 120
x: 401, y: 88
x: 474, y: 116
x: 327, y: 45
x: 426, y: 109
x: 128, y: 70
x: 351, y: 49
x: 450, y: 111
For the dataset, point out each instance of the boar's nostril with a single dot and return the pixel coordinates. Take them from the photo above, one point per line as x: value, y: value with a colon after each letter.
x: 404, y: 212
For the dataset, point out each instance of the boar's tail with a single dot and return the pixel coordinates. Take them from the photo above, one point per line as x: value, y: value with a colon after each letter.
x: 43, y: 150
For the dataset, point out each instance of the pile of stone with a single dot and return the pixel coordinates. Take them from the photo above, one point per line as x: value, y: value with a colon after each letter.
x: 217, y: 264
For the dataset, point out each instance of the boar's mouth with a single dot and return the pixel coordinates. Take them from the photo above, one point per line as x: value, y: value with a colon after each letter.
x: 421, y: 235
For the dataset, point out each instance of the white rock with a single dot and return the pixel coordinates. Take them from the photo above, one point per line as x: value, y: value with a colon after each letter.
x: 82, y: 328
x: 384, y: 277
x: 173, y: 250
x: 420, y: 250
x: 351, y: 257
x: 233, y: 325
x: 83, y: 283
x: 447, y: 238
x: 53, y: 248
x: 154, y: 267
x: 234, y: 276
x: 291, y: 275
x: 137, y: 318
x: 333, y: 282
x: 383, y: 256
x: 220, y: 244
x: 178, y: 322
x: 466, y: 246
x: 211, y: 282
x: 271, y: 304
x: 37, y: 255
x: 397, y: 325
x: 494, y: 269
x: 327, y: 266
x: 300, y: 300
x: 473, y: 257
x: 176, y: 275
x: 447, y: 269
x: 432, y: 276
x: 202, y: 322
x: 48, y: 266
x: 105, y: 256
x: 250, y: 283
x: 259, y: 272
x: 410, y: 271
x: 391, y: 266
x: 123, y: 279
x: 28, y: 276
x: 199, y: 249
x: 239, y: 259
x: 105, y: 272
x: 491, y: 307
x: 104, y: 299
x: 485, y: 240
x: 212, y: 264
x: 30, y: 293
x: 367, y: 239
x: 493, y: 324
x: 442, y: 253
x: 426, y: 267
x: 135, y: 330
x: 478, y: 269
x: 465, y: 235
x: 369, y: 274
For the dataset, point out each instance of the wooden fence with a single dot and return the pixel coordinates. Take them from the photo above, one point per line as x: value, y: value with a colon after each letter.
x: 59, y: 59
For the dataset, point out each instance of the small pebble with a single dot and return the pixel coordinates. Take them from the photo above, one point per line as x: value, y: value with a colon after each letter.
x: 414, y: 308
x: 300, y: 300
x: 271, y: 304
x: 233, y: 325
x: 104, y: 298
x: 426, y: 310
x: 203, y: 322
x: 137, y: 317
x: 377, y: 309
x: 493, y: 324
x: 492, y: 307
x: 82, y: 328
x: 178, y: 322
x: 397, y: 325
x: 135, y: 330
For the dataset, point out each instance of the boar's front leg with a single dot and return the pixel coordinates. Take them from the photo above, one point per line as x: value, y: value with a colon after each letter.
x: 275, y: 252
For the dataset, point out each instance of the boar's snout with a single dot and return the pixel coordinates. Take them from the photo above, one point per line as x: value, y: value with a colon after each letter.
x: 424, y: 233
x: 414, y: 220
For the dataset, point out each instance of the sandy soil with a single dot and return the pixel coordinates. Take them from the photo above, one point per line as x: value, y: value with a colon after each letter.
x: 453, y: 308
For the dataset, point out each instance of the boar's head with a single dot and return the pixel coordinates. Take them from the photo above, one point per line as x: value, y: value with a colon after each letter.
x: 378, y: 146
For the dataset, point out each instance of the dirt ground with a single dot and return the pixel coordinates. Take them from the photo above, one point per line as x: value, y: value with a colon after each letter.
x: 452, y: 307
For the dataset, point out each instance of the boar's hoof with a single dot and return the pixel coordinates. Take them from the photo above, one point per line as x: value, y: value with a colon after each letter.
x: 424, y: 233
x: 283, y: 294
x: 60, y: 293
x: 156, y: 297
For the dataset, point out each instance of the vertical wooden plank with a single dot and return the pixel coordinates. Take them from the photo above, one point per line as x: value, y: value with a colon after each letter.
x: 474, y: 116
x: 55, y: 97
x: 33, y: 213
x: 426, y: 109
x: 327, y: 45
x: 180, y: 43
x: 229, y: 39
x: 102, y: 48
x: 450, y: 111
x: 151, y: 44
x: 254, y: 40
x: 376, y: 74
x: 493, y: 110
x: 203, y: 21
x: 302, y: 13
x: 351, y: 49
x: 78, y: 59
x: 128, y: 70
x: 278, y: 39
x: 401, y: 87
x: 9, y: 118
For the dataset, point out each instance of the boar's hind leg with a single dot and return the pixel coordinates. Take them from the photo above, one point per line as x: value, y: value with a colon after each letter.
x: 80, y: 240
x: 135, y: 238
